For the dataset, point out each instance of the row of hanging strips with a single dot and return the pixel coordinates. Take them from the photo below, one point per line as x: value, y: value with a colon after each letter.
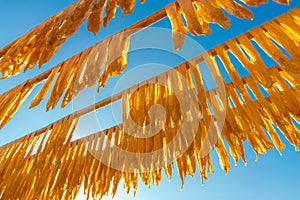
x: 62, y: 169
x: 93, y: 66
x: 75, y: 153
x: 39, y: 44
x: 96, y: 64
x: 80, y: 155
x: 194, y: 16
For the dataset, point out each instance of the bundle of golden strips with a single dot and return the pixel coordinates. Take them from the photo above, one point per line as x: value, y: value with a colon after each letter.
x: 59, y: 172
x: 42, y: 42
x: 198, y: 14
x: 83, y: 70
x: 41, y: 171
x: 47, y: 164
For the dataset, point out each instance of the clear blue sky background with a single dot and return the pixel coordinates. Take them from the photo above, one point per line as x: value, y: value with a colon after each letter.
x: 272, y: 177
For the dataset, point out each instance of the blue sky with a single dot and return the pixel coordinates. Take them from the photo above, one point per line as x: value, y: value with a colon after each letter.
x: 272, y: 177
